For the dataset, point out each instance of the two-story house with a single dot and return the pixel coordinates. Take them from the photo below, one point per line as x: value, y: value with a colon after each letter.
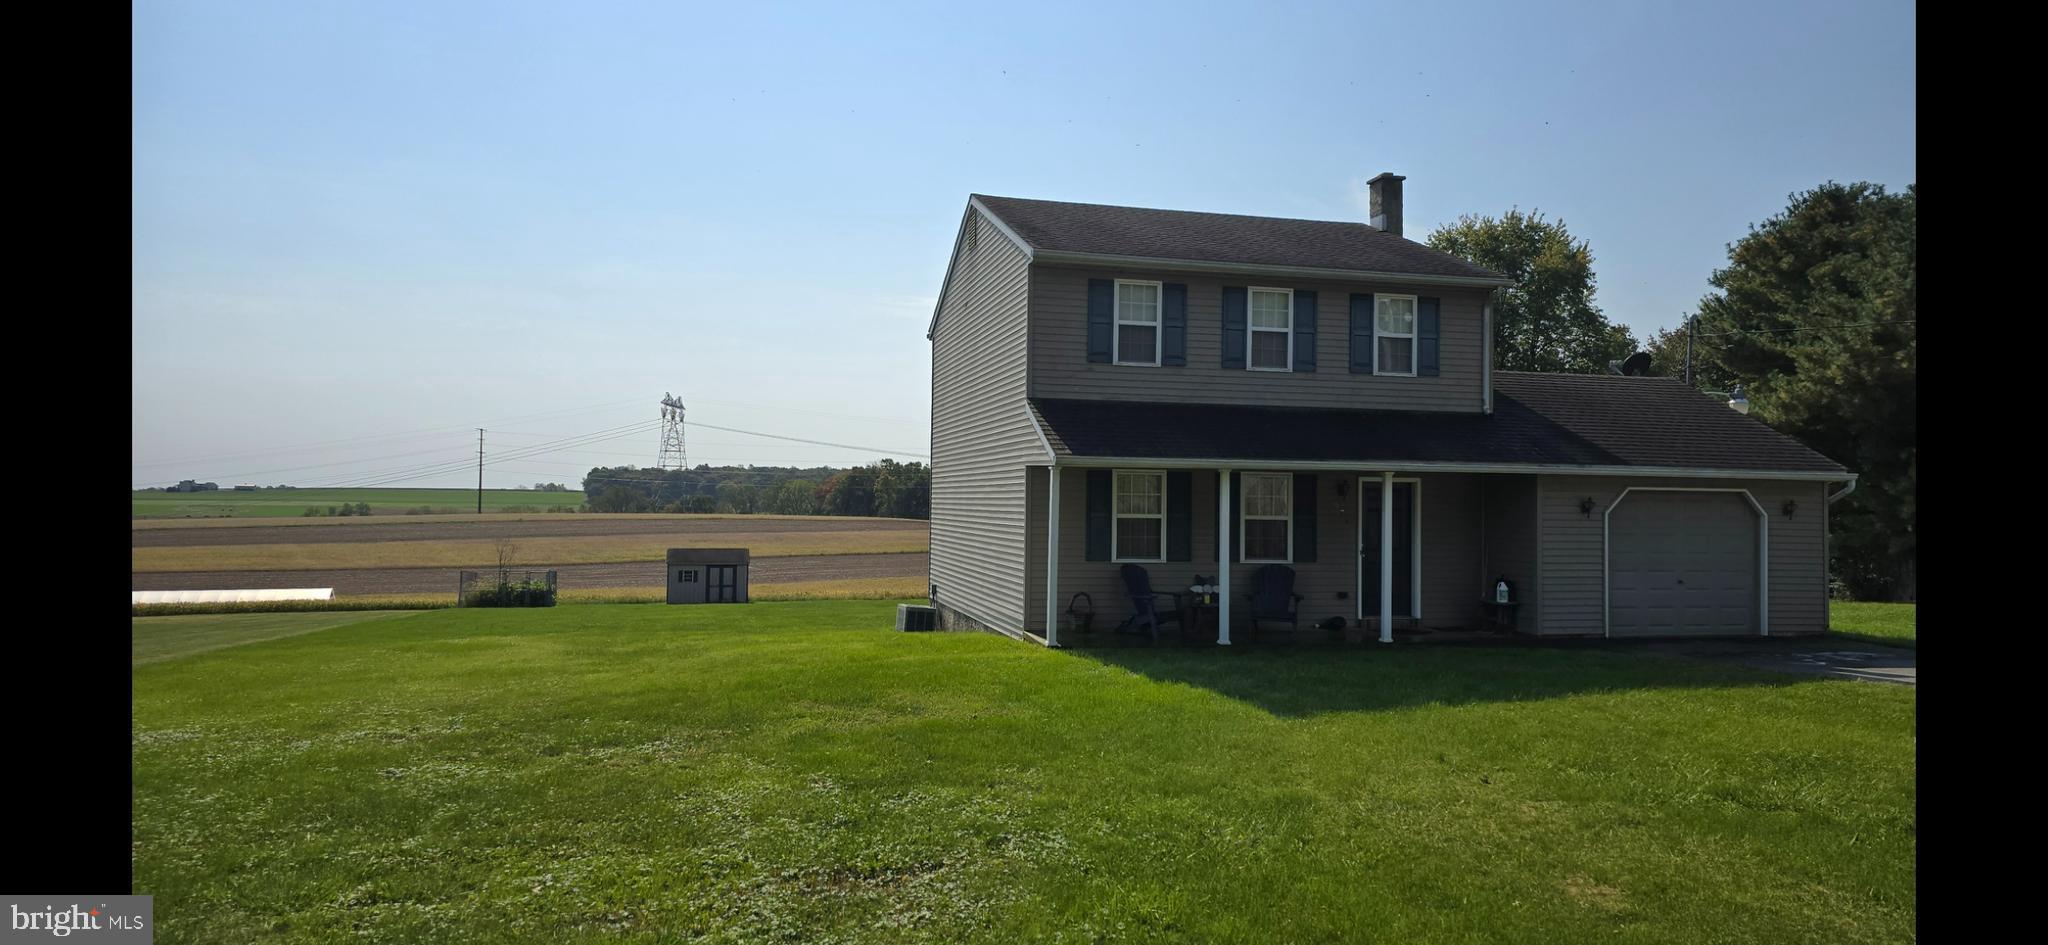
x: 1114, y: 385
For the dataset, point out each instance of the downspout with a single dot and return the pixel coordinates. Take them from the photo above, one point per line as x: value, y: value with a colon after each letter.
x: 1486, y: 355
x: 1827, y: 588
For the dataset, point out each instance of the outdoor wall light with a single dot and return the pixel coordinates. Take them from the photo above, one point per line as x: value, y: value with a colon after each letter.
x: 1586, y: 506
x: 1790, y: 507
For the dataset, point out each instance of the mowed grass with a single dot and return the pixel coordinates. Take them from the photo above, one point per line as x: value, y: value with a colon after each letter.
x: 839, y: 589
x: 284, y: 503
x: 1893, y: 624
x: 798, y: 772
x: 472, y: 552
x: 163, y: 638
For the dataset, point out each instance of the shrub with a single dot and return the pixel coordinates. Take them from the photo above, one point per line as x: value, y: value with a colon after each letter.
x: 510, y: 594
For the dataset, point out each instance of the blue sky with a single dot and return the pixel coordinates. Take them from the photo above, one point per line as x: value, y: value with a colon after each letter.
x: 362, y: 228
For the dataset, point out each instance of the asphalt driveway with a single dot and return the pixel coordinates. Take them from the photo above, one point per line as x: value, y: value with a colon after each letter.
x: 1821, y: 657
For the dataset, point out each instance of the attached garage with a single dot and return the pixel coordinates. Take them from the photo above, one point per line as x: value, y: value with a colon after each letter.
x: 1683, y: 562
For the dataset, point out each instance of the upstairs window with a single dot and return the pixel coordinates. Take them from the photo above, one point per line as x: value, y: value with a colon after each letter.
x: 1271, y: 328
x: 1268, y: 517
x: 1140, y: 509
x: 1394, y: 327
x: 1137, y: 322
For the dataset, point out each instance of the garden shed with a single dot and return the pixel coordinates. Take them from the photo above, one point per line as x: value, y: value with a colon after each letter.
x: 707, y: 575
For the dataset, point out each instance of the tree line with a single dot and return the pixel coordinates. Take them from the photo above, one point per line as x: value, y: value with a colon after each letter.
x: 1814, y: 316
x: 883, y: 489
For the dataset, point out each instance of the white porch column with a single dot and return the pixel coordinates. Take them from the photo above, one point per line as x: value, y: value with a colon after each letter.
x: 1223, y: 557
x: 1052, y: 556
x: 1386, y: 557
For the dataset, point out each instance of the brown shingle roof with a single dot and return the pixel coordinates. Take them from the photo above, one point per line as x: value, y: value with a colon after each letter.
x: 1562, y: 420
x: 1058, y: 226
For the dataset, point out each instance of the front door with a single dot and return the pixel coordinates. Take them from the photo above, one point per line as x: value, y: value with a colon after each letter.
x: 1369, y: 548
x: 722, y: 584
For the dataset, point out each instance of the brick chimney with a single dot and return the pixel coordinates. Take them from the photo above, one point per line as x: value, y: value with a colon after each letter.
x: 1386, y: 202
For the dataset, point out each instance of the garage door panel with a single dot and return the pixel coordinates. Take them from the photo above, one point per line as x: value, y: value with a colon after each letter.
x: 1682, y: 563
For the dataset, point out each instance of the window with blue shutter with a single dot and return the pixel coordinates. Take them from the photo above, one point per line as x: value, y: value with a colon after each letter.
x: 1175, y: 353
x: 1098, y: 514
x: 1180, y: 515
x: 1233, y: 327
x: 1427, y: 325
x: 1101, y: 320
x: 1361, y: 333
x: 1304, y: 330
x: 1304, y: 518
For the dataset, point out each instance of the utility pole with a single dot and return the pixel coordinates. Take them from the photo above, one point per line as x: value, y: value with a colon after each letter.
x: 1691, y: 323
x: 479, y: 470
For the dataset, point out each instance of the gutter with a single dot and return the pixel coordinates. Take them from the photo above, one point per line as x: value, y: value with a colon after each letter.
x: 1058, y: 257
x: 1411, y: 466
x: 1851, y: 487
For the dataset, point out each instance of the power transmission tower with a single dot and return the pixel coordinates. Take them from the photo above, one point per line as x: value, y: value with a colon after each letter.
x: 672, y: 455
x: 479, y: 470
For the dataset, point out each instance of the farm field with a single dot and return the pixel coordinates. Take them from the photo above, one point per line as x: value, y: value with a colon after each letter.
x: 407, y: 555
x: 800, y: 772
x: 649, y: 574
x: 292, y: 503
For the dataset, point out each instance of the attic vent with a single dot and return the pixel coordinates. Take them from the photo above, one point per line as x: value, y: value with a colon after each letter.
x: 973, y: 229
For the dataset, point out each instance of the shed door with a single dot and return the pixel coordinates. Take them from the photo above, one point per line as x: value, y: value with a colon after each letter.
x: 1682, y: 563
x: 722, y: 584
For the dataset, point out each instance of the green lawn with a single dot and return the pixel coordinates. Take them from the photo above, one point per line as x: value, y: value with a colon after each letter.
x: 162, y: 638
x: 1894, y: 624
x: 799, y: 772
x: 278, y: 503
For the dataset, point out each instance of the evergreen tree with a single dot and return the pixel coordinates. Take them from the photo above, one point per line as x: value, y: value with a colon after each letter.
x: 1815, y: 317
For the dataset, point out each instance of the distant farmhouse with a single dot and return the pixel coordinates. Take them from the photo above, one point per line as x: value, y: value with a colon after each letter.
x: 188, y: 485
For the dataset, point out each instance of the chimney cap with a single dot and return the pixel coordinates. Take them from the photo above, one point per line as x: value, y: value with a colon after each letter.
x: 1385, y: 175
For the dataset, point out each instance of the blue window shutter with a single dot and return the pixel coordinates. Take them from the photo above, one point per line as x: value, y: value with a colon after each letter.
x: 1234, y: 301
x: 1173, y: 348
x: 1101, y: 321
x: 1427, y: 325
x: 1180, y: 515
x: 1304, y: 518
x: 1098, y: 514
x: 1361, y: 333
x: 1305, y: 330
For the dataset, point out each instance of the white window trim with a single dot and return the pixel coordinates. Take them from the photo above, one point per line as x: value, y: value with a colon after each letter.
x: 1414, y: 337
x: 1116, y: 324
x: 1244, y: 515
x: 1116, y: 555
x: 1249, y: 330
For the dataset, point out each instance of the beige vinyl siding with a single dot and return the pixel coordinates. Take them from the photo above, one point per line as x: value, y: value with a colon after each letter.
x: 1573, y: 578
x: 1450, y: 554
x: 1511, y: 544
x: 1060, y: 366
x: 981, y: 436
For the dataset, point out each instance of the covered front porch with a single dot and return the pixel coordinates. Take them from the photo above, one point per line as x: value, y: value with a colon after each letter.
x: 1383, y: 550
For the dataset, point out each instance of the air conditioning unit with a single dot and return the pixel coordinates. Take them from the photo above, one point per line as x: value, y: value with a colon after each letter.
x: 916, y: 617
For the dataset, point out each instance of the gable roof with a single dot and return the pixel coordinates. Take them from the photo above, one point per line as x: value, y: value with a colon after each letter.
x: 1087, y: 229
x: 1540, y: 422
x: 1100, y: 234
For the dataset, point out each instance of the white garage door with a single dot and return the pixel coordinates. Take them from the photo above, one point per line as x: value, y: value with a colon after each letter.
x: 1682, y: 563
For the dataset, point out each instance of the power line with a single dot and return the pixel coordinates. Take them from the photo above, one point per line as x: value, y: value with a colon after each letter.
x: 403, y: 474
x: 376, y: 436
x: 798, y: 439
